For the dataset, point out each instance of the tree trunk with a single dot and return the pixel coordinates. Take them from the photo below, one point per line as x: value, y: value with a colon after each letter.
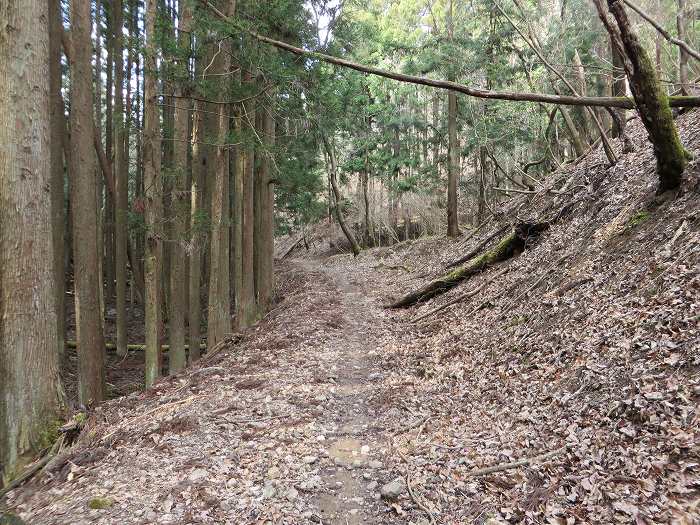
x: 99, y: 181
x: 108, y: 216
x: 652, y: 102
x: 453, y: 144
x: 121, y: 176
x: 452, y: 167
x: 29, y: 382
x: 178, y: 304
x: 245, y: 306
x: 683, y: 56
x: 153, y: 187
x: 332, y: 174
x: 84, y: 200
x: 264, y: 210
x: 58, y: 130
x: 619, y: 88
x: 509, y: 246
x: 219, y: 311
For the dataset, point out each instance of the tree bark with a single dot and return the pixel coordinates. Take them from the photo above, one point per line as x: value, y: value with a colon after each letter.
x: 153, y: 186
x: 178, y: 299
x: 219, y: 311
x: 264, y: 213
x: 29, y: 382
x: 58, y: 130
x: 245, y: 304
x: 682, y: 52
x: 121, y: 176
x: 453, y: 143
x: 84, y: 207
x: 201, y: 129
x: 619, y: 88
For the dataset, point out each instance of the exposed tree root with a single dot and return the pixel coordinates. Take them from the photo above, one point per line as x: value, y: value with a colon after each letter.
x: 509, y: 246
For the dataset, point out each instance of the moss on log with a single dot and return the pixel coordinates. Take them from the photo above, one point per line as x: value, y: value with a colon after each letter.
x: 508, y: 246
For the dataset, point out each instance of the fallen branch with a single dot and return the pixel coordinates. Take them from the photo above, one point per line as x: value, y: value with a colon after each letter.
x: 515, y: 464
x: 134, y: 346
x: 412, y: 494
x: 291, y: 248
x: 34, y: 467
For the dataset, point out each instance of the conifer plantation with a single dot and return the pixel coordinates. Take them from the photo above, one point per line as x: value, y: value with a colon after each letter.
x: 344, y: 262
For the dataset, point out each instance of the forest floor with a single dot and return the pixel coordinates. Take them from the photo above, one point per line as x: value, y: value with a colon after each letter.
x: 573, y: 371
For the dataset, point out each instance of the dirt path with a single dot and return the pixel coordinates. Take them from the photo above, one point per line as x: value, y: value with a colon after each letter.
x: 291, y: 425
x: 351, y: 496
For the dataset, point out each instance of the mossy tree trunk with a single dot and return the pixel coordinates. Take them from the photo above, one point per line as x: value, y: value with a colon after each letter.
x: 651, y: 101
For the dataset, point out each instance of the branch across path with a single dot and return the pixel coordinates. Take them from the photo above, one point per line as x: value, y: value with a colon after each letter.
x: 517, y: 96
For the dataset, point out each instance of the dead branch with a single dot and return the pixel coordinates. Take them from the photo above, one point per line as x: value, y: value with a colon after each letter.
x: 680, y: 43
x: 515, y: 464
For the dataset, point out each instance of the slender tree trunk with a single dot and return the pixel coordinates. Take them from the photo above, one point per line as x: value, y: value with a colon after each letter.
x: 29, y: 383
x: 154, y: 202
x: 264, y: 210
x: 201, y: 167
x: 178, y: 304
x: 453, y: 167
x: 219, y: 311
x: 110, y: 255
x: 619, y: 88
x: 121, y: 176
x: 453, y: 145
x: 246, y: 311
x: 99, y: 180
x: 83, y: 196
x: 58, y: 129
x: 332, y: 175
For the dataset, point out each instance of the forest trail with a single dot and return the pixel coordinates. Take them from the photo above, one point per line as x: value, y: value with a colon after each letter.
x: 349, y: 480
x: 294, y: 426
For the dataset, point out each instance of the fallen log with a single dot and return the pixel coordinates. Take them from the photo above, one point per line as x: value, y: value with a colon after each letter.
x: 510, y: 245
x: 476, y: 250
x: 466, y: 295
x: 112, y: 347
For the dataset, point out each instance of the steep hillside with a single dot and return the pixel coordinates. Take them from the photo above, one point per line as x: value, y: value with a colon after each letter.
x: 586, y: 346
